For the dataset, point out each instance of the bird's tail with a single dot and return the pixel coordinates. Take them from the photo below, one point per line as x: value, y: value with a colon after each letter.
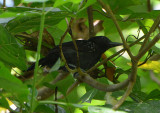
x: 49, y: 60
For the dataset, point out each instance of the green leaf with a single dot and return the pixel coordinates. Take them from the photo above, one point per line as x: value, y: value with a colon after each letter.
x: 88, y: 96
x: 27, y: 1
x: 64, y: 84
x: 56, y: 66
x: 4, y: 102
x: 57, y: 31
x: 48, y: 108
x: 93, y: 109
x: 61, y: 2
x: 12, y: 84
x: 137, y: 85
x: 30, y: 20
x: 151, y: 106
x: 155, y: 94
x: 156, y: 48
x: 148, y: 15
x: 11, y: 52
x: 108, y: 24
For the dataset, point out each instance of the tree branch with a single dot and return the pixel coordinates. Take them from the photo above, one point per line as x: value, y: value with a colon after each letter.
x: 132, y: 80
x: 90, y: 21
x: 109, y: 11
x: 103, y: 87
x: 152, y: 29
x: 117, y: 53
x: 60, y: 46
x: 147, y: 47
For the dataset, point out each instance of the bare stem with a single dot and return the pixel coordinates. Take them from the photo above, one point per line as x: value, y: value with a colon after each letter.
x: 90, y: 20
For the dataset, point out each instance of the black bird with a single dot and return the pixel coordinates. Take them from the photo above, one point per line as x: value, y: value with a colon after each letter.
x: 89, y: 51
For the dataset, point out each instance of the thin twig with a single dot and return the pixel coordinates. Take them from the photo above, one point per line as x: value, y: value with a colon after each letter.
x: 117, y: 53
x: 90, y: 20
x: 148, y: 46
x: 60, y: 46
x: 109, y: 11
x: 152, y: 29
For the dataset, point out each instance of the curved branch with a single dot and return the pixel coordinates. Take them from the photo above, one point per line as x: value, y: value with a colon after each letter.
x: 132, y: 80
x: 60, y: 46
x: 103, y: 87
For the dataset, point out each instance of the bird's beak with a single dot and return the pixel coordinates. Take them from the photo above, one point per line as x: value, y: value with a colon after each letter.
x: 113, y: 44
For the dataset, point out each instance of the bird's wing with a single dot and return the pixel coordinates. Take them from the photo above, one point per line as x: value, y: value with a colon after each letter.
x: 83, y: 46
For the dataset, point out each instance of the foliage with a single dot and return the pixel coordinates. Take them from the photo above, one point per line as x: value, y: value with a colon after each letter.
x: 19, y: 32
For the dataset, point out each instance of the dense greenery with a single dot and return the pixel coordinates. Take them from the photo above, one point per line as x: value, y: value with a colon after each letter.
x: 132, y: 22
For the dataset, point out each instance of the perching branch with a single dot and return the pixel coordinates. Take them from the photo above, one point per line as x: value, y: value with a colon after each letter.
x: 86, y: 78
x: 117, y: 53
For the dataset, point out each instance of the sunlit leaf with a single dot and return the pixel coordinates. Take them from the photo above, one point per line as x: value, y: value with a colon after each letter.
x: 151, y: 65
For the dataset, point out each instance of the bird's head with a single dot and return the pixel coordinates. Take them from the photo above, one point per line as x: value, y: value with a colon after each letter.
x: 104, y: 42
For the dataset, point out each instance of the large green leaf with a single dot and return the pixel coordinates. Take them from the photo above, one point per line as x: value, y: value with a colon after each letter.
x: 144, y: 15
x: 12, y: 85
x: 150, y: 106
x: 61, y: 2
x: 11, y: 52
x: 29, y: 20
